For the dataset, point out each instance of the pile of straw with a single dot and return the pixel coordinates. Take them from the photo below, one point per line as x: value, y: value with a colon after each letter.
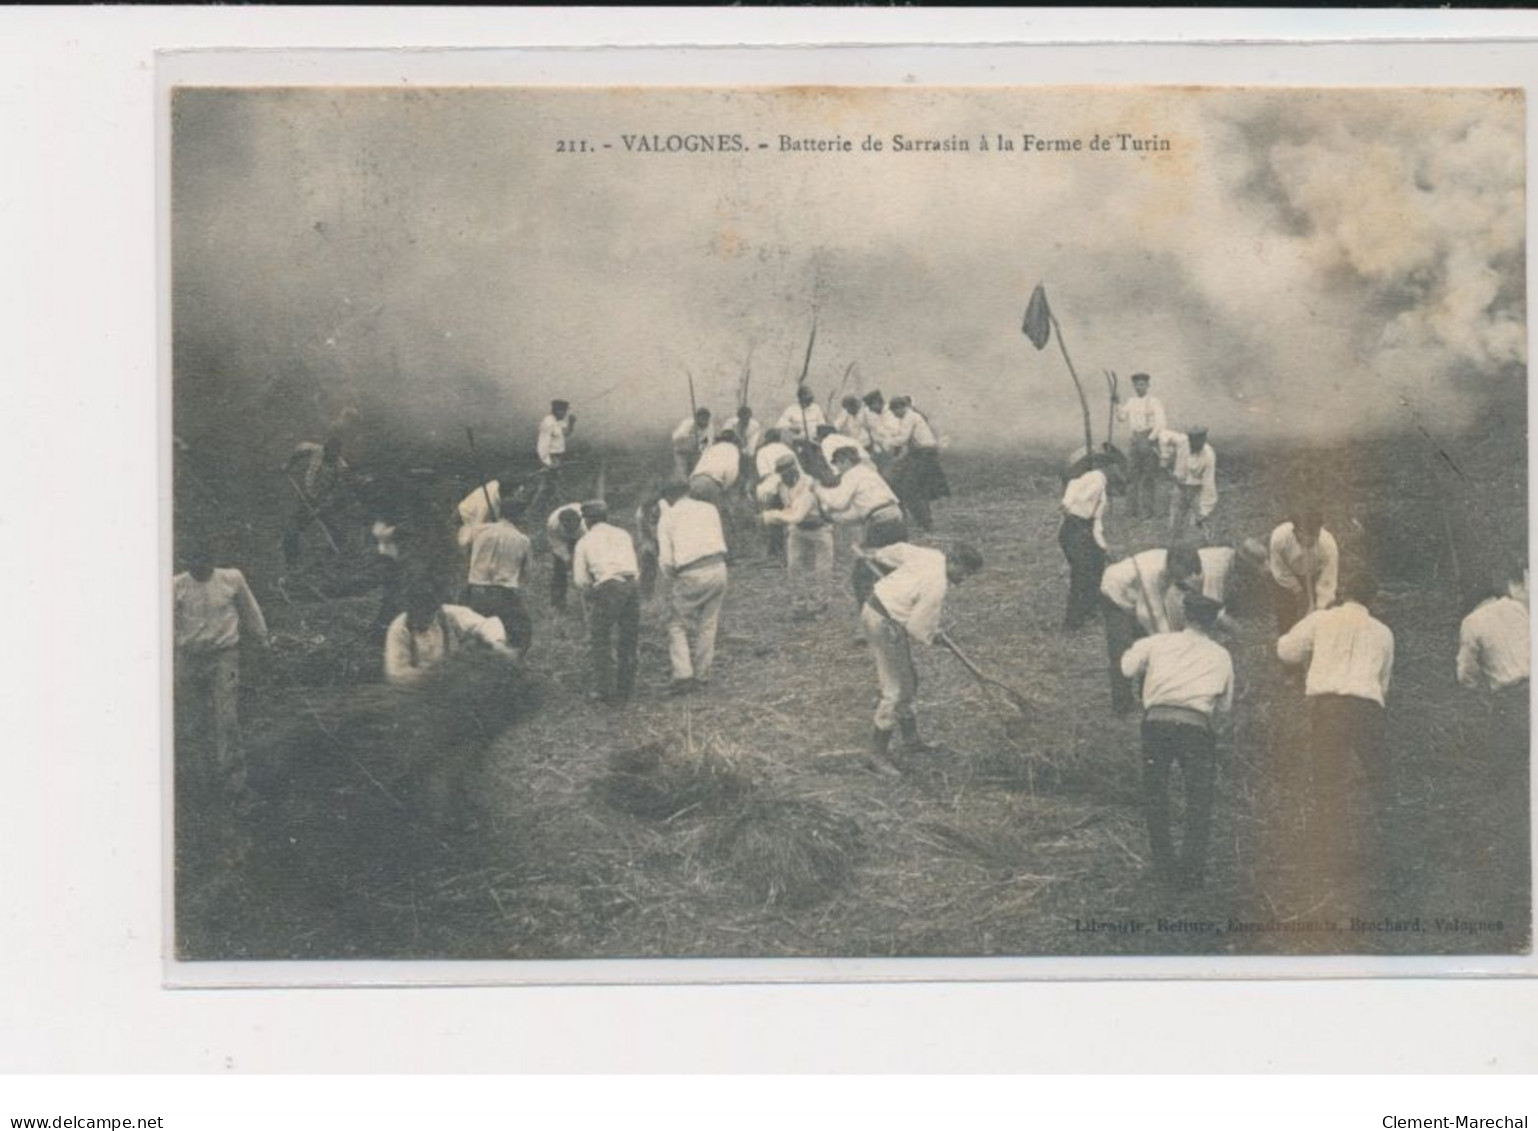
x: 787, y: 852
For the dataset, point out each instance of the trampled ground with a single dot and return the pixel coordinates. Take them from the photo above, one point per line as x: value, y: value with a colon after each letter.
x: 739, y: 822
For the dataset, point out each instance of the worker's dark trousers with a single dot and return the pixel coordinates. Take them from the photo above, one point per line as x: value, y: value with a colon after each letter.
x: 614, y: 629
x: 1291, y: 607
x: 1194, y: 748
x: 886, y: 532
x: 1352, y: 805
x: 1086, y: 562
x: 1121, y: 630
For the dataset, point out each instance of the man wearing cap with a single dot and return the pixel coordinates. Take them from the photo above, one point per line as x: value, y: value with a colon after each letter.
x: 1231, y: 576
x: 500, y: 555
x: 604, y: 569
x: 1187, y: 689
x: 1144, y: 417
x: 906, y: 603
x: 800, y: 420
x: 554, y: 430
x: 1135, y: 596
x: 691, y: 553
x: 692, y: 436
x: 766, y: 483
x: 809, y: 539
x: 915, y: 472
x: 565, y: 529
x: 1304, y: 562
x: 1194, y: 466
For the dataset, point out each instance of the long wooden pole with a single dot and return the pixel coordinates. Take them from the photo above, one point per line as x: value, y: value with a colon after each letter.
x: 1057, y: 332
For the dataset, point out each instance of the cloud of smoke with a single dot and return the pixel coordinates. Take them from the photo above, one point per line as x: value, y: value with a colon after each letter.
x: 1297, y: 260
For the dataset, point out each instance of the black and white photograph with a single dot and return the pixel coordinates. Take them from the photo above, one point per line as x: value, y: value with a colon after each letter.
x: 765, y: 522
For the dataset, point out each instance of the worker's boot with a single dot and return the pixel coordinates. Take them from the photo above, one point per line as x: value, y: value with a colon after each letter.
x: 910, y: 733
x: 879, y: 759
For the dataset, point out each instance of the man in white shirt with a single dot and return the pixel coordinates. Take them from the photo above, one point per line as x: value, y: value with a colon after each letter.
x: 691, y: 553
x: 849, y: 421
x: 500, y: 556
x: 722, y: 461
x: 605, y: 570
x: 564, y: 529
x: 211, y: 607
x: 554, y: 430
x: 879, y: 424
x: 809, y: 539
x: 1134, y: 597
x: 1187, y: 688
x: 1349, y: 658
x: 321, y: 488
x: 1195, y: 468
x: 1082, y: 538
x: 800, y: 421
x: 766, y: 484
x: 915, y: 472
x: 1145, y: 420
x: 1494, y: 646
x: 481, y: 507
x: 1305, y: 564
x: 423, y: 638
x: 692, y: 436
x: 860, y: 494
x: 905, y: 603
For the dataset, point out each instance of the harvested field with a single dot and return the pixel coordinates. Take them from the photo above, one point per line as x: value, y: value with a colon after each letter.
x: 740, y: 821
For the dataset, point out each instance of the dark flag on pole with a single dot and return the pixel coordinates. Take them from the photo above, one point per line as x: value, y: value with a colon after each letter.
x: 1038, y: 319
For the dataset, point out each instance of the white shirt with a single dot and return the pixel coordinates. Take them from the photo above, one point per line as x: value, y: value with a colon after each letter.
x: 879, y: 425
x: 474, y: 512
x: 910, y: 430
x: 1143, y: 414
x: 858, y: 493
x: 1085, y: 498
x: 1217, y: 568
x: 1291, y: 564
x: 1494, y: 646
x: 1122, y: 585
x: 688, y: 439
x: 769, y: 455
x: 722, y: 462
x: 688, y: 531
x: 605, y: 552
x: 833, y: 443
x: 552, y: 437
x: 1347, y: 652
x: 1182, y: 669
x: 797, y: 502
x: 557, y: 534
x: 914, y: 592
x: 852, y: 426
x: 801, y: 423
x: 210, y: 614
x: 499, y: 555
x: 450, y: 630
x: 1197, y: 469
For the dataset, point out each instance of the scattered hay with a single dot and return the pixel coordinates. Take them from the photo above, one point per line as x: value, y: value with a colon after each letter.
x: 648, y: 782
x: 789, y: 852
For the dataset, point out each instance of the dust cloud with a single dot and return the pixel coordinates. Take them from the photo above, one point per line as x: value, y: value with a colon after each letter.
x: 1297, y: 263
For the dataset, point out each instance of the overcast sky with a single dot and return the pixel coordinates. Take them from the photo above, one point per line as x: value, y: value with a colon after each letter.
x: 1295, y: 263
